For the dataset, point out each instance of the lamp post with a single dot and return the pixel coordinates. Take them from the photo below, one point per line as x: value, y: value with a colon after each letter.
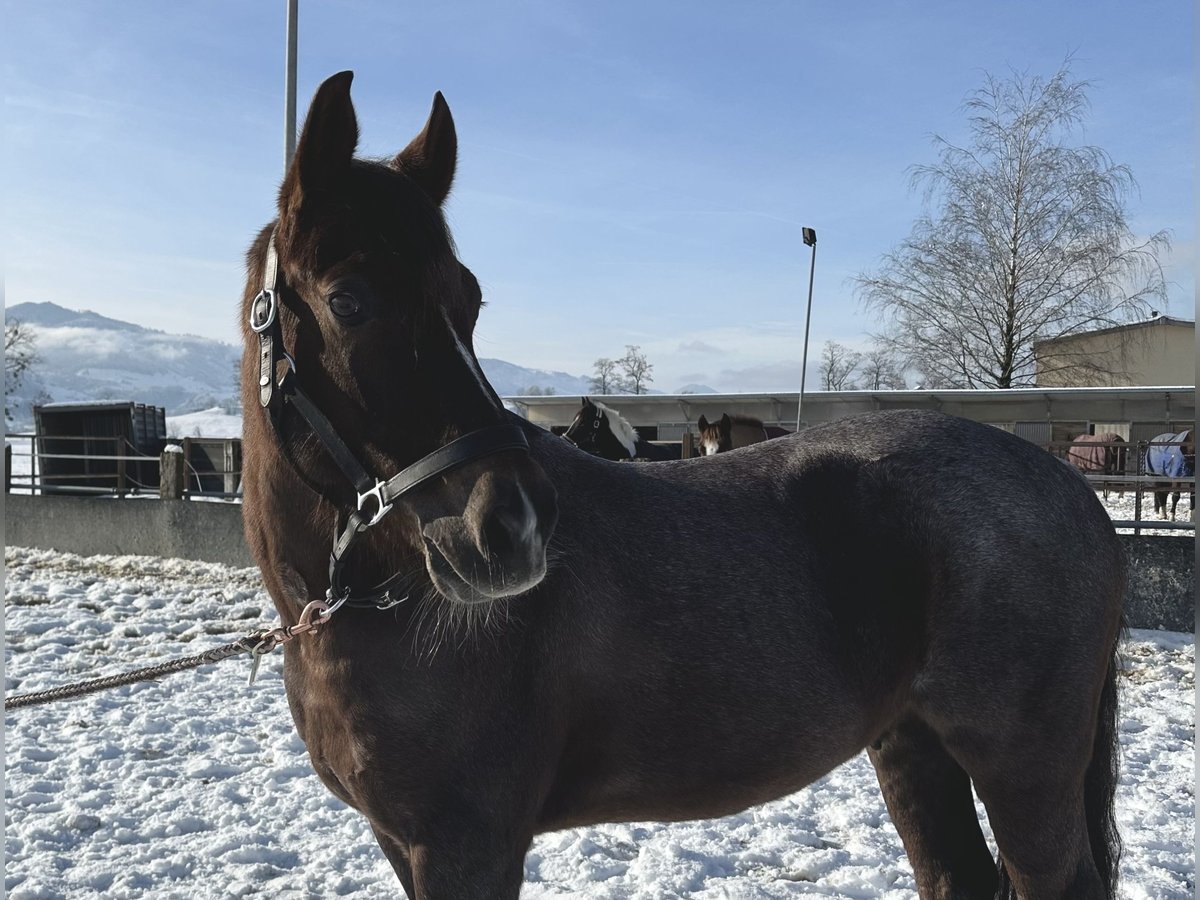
x: 289, y: 86
x: 810, y: 239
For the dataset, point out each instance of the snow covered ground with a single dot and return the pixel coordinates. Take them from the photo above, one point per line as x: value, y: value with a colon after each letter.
x: 209, y: 423
x: 196, y: 786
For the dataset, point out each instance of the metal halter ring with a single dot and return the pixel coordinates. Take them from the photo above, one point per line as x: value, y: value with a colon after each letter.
x: 375, y: 493
x: 269, y: 319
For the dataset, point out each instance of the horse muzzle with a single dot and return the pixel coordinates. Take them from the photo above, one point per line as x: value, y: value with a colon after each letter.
x: 497, y: 548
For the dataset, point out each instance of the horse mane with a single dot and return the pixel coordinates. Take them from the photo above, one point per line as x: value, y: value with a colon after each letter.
x: 621, y: 429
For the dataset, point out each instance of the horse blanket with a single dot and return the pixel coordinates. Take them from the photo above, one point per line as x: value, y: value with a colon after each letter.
x: 1169, y: 460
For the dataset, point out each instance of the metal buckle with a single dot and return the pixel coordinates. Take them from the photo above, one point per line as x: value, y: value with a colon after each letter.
x: 268, y: 295
x: 333, y: 602
x: 377, y: 494
x: 387, y: 602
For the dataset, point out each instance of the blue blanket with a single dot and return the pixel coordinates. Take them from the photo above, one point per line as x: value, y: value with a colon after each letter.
x: 1169, y: 460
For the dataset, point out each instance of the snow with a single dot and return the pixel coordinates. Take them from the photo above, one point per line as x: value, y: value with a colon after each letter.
x: 197, y: 785
x: 209, y: 423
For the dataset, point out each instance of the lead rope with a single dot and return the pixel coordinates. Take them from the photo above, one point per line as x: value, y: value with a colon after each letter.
x: 259, y: 643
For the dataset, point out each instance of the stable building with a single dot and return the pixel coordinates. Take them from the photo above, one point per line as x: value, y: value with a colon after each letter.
x: 1041, y: 415
x: 1159, y: 350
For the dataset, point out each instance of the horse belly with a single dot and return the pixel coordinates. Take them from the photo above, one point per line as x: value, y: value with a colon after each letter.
x: 702, y: 759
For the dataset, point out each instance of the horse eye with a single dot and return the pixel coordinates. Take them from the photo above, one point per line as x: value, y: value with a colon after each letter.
x: 344, y: 305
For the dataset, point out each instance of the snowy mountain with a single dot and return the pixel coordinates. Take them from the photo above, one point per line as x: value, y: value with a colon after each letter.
x: 86, y: 356
x: 510, y: 380
x: 83, y: 355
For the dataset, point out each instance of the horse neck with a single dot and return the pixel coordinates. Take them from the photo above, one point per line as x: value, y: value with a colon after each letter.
x: 614, y: 426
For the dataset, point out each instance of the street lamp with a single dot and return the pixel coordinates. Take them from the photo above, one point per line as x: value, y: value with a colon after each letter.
x: 289, y: 86
x: 810, y: 239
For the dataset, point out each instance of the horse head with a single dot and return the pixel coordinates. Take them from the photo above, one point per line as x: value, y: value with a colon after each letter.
x: 715, y: 437
x: 1188, y: 441
x: 374, y: 314
x: 601, y: 431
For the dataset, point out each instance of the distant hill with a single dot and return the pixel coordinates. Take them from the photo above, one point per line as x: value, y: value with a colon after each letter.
x: 509, y: 379
x: 83, y: 355
x: 697, y: 389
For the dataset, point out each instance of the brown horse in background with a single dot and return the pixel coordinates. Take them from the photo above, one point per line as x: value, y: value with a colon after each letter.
x: 732, y: 432
x: 562, y: 641
x: 1100, y: 454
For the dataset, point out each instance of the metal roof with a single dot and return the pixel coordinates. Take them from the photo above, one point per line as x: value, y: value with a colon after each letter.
x: 1154, y: 403
x: 956, y: 394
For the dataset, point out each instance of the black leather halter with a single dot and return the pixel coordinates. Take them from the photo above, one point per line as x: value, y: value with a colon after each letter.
x: 274, y: 395
x: 592, y: 437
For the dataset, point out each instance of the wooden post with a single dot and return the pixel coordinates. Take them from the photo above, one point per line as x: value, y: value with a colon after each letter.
x: 120, y: 444
x: 687, y: 448
x: 170, y: 476
x: 8, y: 468
x: 231, y: 475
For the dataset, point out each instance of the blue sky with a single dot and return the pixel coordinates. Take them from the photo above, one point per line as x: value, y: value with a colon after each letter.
x: 629, y: 173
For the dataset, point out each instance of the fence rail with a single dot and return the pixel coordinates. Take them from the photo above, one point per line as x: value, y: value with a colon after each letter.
x: 211, y: 469
x: 50, y: 464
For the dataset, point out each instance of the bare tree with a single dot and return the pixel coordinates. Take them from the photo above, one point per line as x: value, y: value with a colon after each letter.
x: 880, y: 370
x: 637, y: 369
x: 606, y: 380
x: 20, y: 352
x: 1027, y: 240
x: 838, y: 364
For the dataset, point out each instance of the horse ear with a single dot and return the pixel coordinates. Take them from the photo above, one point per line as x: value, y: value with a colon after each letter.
x: 703, y: 423
x: 726, y: 422
x: 431, y: 157
x: 326, y: 145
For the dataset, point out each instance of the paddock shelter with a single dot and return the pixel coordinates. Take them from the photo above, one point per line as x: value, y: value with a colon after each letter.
x: 98, y: 447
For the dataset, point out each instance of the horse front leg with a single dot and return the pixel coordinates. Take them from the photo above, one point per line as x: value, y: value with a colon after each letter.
x: 468, y: 860
x: 397, y: 855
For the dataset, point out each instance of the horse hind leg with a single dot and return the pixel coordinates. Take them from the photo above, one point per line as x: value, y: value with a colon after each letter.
x: 929, y: 798
x: 1049, y: 801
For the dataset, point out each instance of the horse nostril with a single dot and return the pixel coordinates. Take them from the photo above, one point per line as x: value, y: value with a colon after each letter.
x: 499, y: 533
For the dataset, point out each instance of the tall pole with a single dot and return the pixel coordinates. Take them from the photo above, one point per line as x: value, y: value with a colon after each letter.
x: 810, y: 238
x: 289, y: 90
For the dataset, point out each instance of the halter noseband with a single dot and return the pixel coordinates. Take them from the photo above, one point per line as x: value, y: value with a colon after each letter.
x: 273, y: 396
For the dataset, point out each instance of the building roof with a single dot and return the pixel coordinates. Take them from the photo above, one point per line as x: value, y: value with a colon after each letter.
x: 81, y: 405
x: 1166, y: 402
x: 1128, y: 326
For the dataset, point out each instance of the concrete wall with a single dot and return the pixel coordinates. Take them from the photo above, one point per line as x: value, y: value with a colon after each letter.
x: 1161, y: 582
x: 185, y: 529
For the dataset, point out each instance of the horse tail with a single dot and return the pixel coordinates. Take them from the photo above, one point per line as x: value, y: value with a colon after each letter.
x: 1100, y: 782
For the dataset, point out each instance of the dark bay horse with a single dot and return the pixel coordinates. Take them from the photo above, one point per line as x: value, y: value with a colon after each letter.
x: 1173, y: 456
x: 604, y: 432
x: 559, y: 640
x: 1099, y: 454
x: 731, y: 432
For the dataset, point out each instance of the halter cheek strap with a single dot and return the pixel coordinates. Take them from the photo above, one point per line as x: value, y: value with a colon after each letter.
x: 273, y: 395
x: 264, y: 321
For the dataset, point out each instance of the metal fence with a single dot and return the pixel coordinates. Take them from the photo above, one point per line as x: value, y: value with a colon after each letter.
x: 212, y: 469
x: 45, y: 465
x: 1122, y: 468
